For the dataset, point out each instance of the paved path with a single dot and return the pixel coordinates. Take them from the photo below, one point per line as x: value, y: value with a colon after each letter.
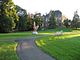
x: 27, y: 50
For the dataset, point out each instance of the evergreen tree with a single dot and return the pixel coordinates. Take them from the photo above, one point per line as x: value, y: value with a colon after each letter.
x: 75, y: 21
x: 8, y: 16
x: 52, y: 20
x: 22, y: 24
x: 29, y: 22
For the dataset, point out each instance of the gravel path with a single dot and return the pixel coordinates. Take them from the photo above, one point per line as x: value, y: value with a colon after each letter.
x: 27, y: 50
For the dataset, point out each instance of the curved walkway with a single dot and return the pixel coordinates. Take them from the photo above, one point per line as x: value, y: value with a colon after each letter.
x: 27, y: 50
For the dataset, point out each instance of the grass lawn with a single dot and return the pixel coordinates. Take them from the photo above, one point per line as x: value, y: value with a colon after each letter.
x: 8, y: 48
x: 66, y: 47
x: 16, y: 35
x: 8, y: 51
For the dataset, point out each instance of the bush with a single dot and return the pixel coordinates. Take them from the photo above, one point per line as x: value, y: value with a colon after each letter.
x: 6, y: 24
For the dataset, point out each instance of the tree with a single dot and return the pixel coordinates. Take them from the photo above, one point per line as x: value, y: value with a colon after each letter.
x: 75, y: 20
x: 78, y: 24
x: 6, y: 24
x: 52, y: 20
x: 58, y: 16
x: 67, y: 23
x: 74, y: 23
x: 38, y: 19
x: 29, y: 22
x: 8, y: 16
x: 24, y: 22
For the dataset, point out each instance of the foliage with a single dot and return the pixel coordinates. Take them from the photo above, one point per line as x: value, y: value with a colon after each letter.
x: 74, y: 23
x: 38, y: 19
x: 78, y: 24
x: 67, y: 23
x: 6, y: 24
x: 22, y: 23
x: 52, y: 20
x: 29, y: 22
x: 8, y: 16
x: 25, y: 21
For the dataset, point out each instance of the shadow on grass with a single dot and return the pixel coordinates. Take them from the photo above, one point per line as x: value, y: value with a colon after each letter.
x: 8, y: 51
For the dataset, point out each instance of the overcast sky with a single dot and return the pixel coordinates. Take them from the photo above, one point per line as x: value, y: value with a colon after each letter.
x: 44, y: 6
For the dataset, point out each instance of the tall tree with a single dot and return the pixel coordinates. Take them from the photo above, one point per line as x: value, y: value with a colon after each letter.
x: 23, y: 23
x: 8, y: 16
x: 52, y: 20
x: 30, y: 21
x: 75, y: 21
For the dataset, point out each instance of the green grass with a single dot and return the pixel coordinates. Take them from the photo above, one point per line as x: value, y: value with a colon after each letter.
x: 8, y: 51
x: 15, y: 35
x: 56, y: 29
x: 66, y: 47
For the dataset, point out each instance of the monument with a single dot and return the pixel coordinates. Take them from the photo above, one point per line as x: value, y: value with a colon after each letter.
x: 35, y: 28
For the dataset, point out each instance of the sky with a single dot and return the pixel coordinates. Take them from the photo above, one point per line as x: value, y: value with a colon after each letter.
x: 67, y: 7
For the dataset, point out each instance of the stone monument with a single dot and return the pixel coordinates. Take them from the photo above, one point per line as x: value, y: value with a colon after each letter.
x: 35, y: 28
